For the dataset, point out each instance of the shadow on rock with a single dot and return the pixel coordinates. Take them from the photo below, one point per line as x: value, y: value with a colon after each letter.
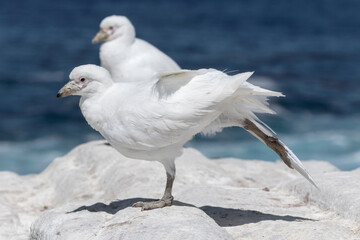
x: 226, y: 217
x: 115, y: 206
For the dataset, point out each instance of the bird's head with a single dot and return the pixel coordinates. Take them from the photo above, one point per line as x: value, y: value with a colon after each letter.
x: 115, y: 27
x: 86, y: 80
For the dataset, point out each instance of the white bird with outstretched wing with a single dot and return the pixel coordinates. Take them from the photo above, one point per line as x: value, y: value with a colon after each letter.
x: 153, y: 119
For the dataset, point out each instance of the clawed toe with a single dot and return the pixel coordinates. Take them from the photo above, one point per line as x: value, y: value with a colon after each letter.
x: 154, y: 205
x: 138, y: 204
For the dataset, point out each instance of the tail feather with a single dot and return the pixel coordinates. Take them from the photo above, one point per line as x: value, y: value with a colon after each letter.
x: 279, y: 148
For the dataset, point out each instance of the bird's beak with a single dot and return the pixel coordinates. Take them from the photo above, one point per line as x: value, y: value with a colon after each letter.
x: 67, y: 90
x: 101, y: 36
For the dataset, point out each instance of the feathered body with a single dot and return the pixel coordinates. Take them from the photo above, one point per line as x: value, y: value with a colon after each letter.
x: 139, y: 120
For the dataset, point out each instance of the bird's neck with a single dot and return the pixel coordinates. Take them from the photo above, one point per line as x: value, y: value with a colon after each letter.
x: 91, y: 105
x: 96, y: 91
x: 113, y: 54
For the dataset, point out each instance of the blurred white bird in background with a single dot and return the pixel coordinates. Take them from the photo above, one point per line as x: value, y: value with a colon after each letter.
x: 152, y: 119
x: 128, y: 58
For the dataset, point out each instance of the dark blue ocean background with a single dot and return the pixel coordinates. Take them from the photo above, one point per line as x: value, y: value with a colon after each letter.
x: 309, y: 50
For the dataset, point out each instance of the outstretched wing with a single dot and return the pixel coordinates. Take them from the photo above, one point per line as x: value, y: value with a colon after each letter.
x: 246, y: 102
x: 199, y: 92
x: 279, y: 148
x: 169, y: 83
x: 183, y: 104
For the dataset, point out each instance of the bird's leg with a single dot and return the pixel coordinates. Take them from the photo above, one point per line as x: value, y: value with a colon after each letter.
x: 167, y: 197
x: 166, y: 200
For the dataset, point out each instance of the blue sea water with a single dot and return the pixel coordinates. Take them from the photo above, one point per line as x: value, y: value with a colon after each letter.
x: 309, y: 50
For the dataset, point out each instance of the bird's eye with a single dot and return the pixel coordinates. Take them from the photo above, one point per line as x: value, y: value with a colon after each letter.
x: 111, y: 27
x: 82, y: 79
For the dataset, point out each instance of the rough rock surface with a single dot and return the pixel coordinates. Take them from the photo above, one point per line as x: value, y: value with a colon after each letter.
x: 88, y: 194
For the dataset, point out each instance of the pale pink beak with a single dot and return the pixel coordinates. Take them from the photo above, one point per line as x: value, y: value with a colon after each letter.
x: 101, y: 36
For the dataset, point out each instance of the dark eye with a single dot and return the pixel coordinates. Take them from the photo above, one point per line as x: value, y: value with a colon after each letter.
x: 82, y: 79
x: 111, y: 27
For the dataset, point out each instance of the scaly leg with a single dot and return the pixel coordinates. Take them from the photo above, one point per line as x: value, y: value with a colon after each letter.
x: 166, y: 200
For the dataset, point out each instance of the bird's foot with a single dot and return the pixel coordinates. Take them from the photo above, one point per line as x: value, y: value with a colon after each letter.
x: 155, y: 204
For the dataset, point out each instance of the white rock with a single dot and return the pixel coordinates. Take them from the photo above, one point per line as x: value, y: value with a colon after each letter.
x: 339, y: 193
x: 214, y: 199
x: 119, y: 221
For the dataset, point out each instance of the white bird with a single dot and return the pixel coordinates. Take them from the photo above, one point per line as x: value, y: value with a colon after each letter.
x: 153, y: 119
x: 128, y: 58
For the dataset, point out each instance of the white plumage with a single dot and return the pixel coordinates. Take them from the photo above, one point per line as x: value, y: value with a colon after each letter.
x: 152, y: 119
x: 126, y: 57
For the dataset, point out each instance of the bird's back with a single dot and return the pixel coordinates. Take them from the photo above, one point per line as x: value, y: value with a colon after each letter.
x: 149, y: 55
x: 135, y: 62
